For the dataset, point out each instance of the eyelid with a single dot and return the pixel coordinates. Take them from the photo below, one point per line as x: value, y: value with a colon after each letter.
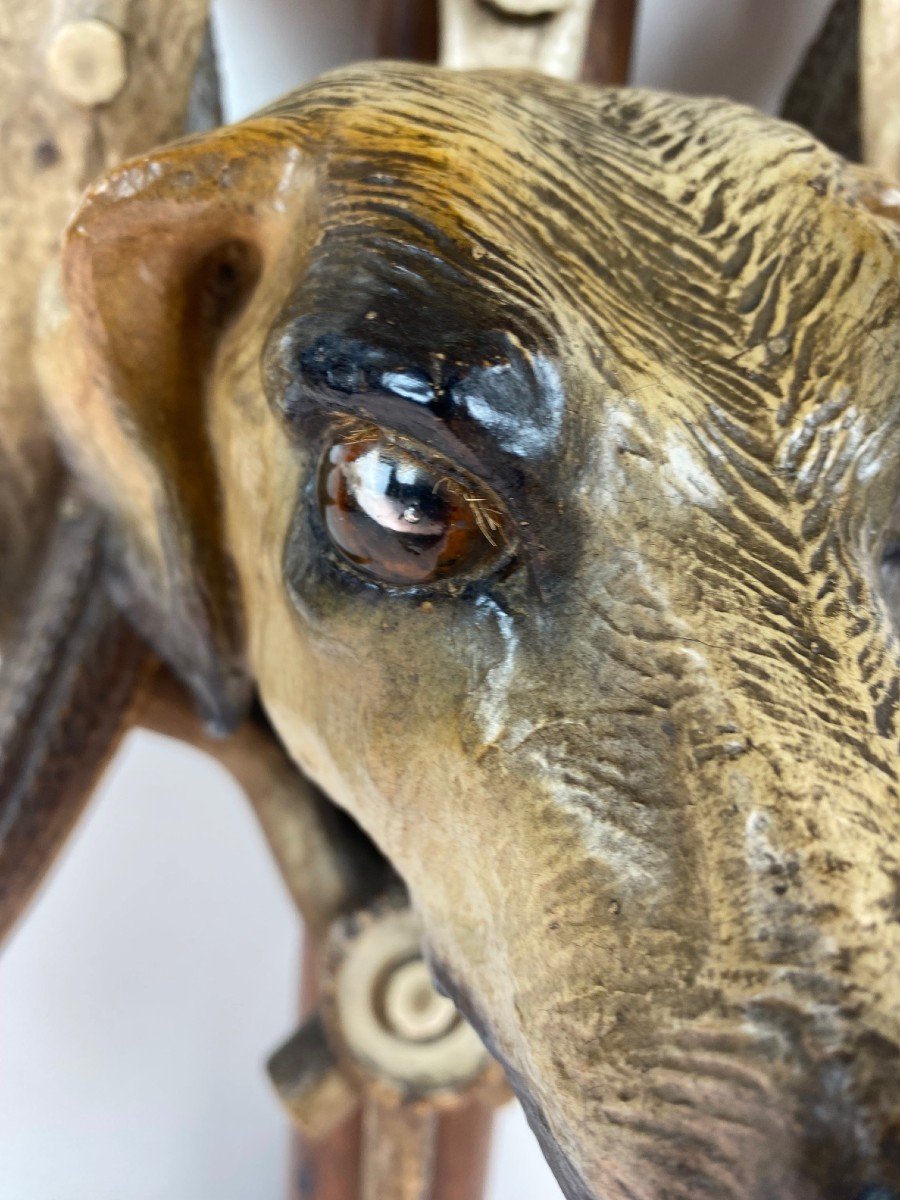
x: 449, y: 472
x: 307, y: 410
x: 349, y: 429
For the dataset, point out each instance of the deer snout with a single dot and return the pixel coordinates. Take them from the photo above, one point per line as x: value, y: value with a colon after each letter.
x: 774, y: 1099
x: 696, y: 991
x: 844, y: 1141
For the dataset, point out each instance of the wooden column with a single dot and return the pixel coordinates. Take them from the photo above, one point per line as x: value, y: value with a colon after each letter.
x: 880, y: 85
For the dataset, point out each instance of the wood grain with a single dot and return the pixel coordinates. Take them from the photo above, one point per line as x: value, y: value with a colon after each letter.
x: 52, y: 148
x: 405, y: 29
x: 607, y: 59
x: 70, y: 683
x: 880, y: 77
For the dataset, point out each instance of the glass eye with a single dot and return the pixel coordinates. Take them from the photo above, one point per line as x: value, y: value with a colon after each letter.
x: 399, y: 518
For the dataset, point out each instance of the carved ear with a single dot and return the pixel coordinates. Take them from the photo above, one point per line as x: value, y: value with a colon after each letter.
x: 163, y: 253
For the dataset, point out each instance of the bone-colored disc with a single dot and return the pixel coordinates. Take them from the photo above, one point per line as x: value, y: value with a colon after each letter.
x: 529, y: 8
x: 413, y: 1009
x: 87, y: 62
x: 368, y: 995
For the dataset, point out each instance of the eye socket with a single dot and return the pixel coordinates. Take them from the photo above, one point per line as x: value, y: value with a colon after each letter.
x: 400, y: 519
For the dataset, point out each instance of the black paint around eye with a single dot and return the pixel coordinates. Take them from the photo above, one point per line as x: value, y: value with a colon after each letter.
x: 399, y: 520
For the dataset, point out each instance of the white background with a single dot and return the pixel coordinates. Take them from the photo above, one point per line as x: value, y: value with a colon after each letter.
x: 159, y: 965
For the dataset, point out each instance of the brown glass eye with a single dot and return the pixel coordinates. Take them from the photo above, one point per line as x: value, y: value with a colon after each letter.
x: 401, y: 520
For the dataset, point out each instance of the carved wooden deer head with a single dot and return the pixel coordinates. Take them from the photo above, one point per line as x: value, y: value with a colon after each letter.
x: 533, y: 449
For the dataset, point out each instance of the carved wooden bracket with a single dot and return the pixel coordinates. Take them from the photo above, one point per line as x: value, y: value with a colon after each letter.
x: 382, y: 1040
x: 880, y: 84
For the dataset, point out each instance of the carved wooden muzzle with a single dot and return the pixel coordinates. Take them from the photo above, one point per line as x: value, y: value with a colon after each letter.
x: 532, y: 450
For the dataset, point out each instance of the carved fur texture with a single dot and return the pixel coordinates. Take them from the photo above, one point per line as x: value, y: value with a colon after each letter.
x: 641, y: 778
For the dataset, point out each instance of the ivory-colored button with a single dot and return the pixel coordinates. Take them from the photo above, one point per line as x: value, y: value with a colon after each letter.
x: 412, y: 1007
x: 87, y: 62
x: 529, y: 8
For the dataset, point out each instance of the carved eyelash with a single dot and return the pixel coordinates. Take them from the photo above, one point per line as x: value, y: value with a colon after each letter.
x: 489, y: 520
x: 352, y: 429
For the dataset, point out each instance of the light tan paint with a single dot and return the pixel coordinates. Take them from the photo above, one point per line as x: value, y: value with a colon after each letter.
x: 642, y: 786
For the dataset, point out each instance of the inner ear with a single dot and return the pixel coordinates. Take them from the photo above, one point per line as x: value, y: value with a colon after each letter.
x: 163, y: 255
x: 218, y: 289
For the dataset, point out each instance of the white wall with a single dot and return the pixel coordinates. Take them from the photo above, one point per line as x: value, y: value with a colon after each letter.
x: 158, y: 967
